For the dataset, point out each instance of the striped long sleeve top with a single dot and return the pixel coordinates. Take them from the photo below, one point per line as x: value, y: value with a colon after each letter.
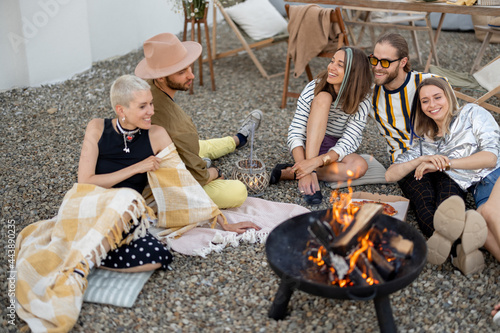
x: 348, y: 128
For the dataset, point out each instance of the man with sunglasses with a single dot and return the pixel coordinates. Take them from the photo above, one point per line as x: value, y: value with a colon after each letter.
x: 395, y: 86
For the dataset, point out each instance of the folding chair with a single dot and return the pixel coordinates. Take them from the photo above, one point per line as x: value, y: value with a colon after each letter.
x: 341, y: 40
x: 486, y: 78
x: 394, y: 19
x: 248, y: 44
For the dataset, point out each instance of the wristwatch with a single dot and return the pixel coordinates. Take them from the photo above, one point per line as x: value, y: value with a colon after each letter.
x: 219, y: 173
x: 326, y: 159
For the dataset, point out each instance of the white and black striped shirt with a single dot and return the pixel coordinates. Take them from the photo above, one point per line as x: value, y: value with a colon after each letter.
x: 348, y: 128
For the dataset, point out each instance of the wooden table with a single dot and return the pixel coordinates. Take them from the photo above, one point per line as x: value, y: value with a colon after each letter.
x: 412, y: 6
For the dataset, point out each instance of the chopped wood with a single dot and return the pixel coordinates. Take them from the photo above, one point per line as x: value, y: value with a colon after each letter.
x: 402, y: 245
x: 361, y: 223
x: 384, y: 268
x: 364, y: 264
x: 356, y: 276
x: 322, y: 232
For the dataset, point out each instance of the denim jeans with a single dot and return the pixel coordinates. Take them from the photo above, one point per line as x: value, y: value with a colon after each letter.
x: 482, y: 190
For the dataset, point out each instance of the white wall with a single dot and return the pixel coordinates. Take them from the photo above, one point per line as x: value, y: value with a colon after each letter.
x: 46, y: 41
x: 13, y: 64
x: 118, y: 26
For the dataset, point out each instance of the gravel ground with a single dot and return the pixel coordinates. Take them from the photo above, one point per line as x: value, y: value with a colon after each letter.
x: 230, y: 291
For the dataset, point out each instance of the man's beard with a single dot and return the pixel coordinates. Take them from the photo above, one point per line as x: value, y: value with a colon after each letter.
x: 388, y: 79
x: 177, y: 86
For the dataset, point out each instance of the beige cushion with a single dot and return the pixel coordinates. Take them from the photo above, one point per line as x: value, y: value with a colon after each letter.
x: 488, y: 76
x: 374, y: 175
x: 257, y: 18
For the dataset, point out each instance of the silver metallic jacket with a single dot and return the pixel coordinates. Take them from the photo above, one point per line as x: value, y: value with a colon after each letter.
x: 473, y: 130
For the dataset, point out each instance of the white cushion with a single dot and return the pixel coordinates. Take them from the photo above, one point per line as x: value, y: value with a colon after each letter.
x: 488, y: 76
x: 258, y: 18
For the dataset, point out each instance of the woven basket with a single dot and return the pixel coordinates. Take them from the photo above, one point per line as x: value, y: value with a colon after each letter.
x: 253, y: 175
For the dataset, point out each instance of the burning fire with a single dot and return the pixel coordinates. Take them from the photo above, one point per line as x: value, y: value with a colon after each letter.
x: 371, y: 261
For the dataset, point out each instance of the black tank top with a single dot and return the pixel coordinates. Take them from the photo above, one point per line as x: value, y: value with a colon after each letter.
x: 112, y: 157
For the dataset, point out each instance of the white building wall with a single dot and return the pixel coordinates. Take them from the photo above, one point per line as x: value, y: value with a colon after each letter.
x: 118, y: 26
x: 13, y: 65
x: 47, y: 41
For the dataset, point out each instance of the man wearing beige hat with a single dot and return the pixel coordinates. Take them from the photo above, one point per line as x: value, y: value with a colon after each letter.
x: 167, y: 68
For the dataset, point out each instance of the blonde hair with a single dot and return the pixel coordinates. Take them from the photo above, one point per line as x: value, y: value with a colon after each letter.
x: 423, y: 125
x: 358, y: 85
x: 123, y: 89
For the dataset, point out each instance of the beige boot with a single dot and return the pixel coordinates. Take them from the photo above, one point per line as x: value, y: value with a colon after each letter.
x: 449, y: 222
x: 475, y: 232
x: 469, y: 259
x: 469, y: 263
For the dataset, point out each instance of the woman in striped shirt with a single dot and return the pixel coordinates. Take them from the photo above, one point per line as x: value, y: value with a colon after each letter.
x: 328, y: 124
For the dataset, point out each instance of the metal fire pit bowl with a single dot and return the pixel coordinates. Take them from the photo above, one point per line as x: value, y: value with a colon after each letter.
x: 285, y: 250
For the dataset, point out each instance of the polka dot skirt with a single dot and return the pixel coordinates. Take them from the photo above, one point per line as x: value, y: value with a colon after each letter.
x: 145, y: 250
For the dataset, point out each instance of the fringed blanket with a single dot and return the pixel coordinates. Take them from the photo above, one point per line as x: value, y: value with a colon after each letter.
x: 49, y: 291
x: 266, y: 214
x: 178, y: 199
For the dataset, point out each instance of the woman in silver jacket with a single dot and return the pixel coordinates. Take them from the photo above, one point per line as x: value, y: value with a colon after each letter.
x: 463, y: 144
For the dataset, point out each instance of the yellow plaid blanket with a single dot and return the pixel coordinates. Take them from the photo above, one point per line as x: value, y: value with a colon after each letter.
x: 179, y: 201
x: 48, y: 291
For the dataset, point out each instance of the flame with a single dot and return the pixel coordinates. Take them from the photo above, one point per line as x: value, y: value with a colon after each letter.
x: 364, y: 244
x: 342, y: 213
x: 319, y: 255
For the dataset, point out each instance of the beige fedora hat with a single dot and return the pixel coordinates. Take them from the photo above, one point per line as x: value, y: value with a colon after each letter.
x: 165, y: 55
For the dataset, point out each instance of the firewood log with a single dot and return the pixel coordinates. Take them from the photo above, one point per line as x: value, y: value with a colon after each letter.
x: 365, y: 264
x: 362, y: 222
x: 401, y: 245
x: 384, y: 268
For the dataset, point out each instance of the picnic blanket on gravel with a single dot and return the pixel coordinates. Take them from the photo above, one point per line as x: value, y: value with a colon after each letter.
x: 48, y: 290
x: 266, y: 214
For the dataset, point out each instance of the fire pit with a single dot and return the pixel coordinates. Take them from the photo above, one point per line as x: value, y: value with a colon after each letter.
x: 286, y: 249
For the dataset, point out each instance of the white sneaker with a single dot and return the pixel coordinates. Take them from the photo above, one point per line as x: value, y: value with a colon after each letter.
x: 251, y: 121
x: 208, y: 161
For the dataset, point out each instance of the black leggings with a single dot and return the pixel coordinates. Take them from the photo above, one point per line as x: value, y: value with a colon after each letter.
x: 427, y: 194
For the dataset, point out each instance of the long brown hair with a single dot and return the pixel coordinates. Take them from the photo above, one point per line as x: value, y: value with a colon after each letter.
x: 358, y: 86
x: 422, y: 124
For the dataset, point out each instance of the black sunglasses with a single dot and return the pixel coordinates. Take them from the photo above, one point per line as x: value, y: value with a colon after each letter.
x: 383, y: 62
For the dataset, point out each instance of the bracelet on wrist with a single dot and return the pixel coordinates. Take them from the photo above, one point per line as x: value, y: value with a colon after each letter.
x: 326, y: 159
x: 448, y: 167
x: 219, y: 173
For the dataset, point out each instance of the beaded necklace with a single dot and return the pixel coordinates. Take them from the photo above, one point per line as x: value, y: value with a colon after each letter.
x: 127, y: 135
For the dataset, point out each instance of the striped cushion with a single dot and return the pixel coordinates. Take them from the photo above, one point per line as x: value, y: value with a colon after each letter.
x: 115, y: 288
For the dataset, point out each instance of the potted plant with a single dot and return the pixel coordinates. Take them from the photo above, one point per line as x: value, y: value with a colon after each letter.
x: 191, y: 8
x: 194, y: 8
